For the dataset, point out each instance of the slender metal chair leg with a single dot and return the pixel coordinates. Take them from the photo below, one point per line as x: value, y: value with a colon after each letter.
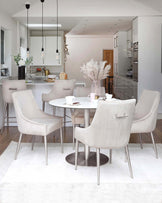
x: 5, y: 113
x: 129, y: 162
x: 126, y: 160
x: 18, y: 146
x: 140, y: 136
x: 73, y: 136
x: 61, y: 138
x: 43, y: 105
x: 33, y: 140
x: 110, y: 155
x: 45, y: 147
x: 76, y: 154
x: 154, y: 144
x: 7, y: 109
x: 98, y: 166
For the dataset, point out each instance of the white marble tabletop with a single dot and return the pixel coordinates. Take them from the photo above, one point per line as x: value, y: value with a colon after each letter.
x: 83, y: 103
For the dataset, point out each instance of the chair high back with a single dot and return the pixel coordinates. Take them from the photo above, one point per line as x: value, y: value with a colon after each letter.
x: 111, y: 125
x: 63, y: 88
x: 25, y: 107
x: 85, y: 91
x: 82, y: 91
x: 10, y: 86
x: 147, y: 106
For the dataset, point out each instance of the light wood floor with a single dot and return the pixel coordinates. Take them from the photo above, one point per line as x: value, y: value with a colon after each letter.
x: 12, y: 134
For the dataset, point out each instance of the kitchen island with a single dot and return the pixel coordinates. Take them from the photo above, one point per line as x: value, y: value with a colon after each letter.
x: 38, y: 87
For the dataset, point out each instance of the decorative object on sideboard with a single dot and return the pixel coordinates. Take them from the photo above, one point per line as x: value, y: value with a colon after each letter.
x: 27, y: 6
x: 63, y: 76
x: 42, y: 50
x: 95, y: 71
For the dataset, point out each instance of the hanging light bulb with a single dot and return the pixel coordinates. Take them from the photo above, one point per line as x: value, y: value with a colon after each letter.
x: 57, y: 56
x: 27, y: 52
x: 27, y: 5
x: 42, y: 53
x: 42, y: 50
x: 57, y: 51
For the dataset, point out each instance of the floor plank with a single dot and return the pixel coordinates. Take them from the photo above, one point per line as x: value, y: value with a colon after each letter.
x: 12, y: 134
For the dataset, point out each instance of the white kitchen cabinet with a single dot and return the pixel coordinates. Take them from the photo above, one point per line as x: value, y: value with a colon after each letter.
x: 135, y: 30
x: 50, y: 46
x: 35, y: 50
x: 120, y: 53
x: 50, y: 50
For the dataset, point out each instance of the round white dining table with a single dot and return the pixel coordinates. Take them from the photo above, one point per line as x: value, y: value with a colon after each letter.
x: 86, y: 158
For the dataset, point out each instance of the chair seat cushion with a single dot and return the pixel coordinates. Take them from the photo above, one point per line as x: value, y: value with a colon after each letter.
x: 42, y: 126
x: 141, y: 126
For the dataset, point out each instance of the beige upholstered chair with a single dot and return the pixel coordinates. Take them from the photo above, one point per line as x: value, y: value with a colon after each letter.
x: 32, y: 121
x: 78, y: 115
x: 61, y: 88
x: 146, y: 115
x: 8, y: 87
x: 110, y: 129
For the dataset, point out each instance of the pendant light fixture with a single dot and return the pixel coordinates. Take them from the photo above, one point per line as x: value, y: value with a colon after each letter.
x: 27, y: 5
x: 57, y: 51
x: 42, y: 50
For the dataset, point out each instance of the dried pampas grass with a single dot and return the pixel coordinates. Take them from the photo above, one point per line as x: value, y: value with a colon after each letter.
x: 95, y: 70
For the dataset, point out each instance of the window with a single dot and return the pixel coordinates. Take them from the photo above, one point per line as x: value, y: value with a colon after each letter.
x: 2, y: 46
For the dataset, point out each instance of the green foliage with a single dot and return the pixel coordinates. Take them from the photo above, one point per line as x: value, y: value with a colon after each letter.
x: 29, y: 61
x: 17, y: 58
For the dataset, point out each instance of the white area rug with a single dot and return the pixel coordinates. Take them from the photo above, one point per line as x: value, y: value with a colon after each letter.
x: 29, y: 180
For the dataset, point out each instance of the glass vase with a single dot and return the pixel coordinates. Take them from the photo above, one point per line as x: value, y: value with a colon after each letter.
x: 96, y: 87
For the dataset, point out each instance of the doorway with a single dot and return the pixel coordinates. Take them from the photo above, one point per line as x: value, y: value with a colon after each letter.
x: 108, y: 82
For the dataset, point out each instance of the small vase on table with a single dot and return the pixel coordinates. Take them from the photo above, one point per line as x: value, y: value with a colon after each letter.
x: 96, y: 87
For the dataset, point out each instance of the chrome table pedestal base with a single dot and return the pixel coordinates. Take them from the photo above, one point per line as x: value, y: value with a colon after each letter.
x: 92, y: 161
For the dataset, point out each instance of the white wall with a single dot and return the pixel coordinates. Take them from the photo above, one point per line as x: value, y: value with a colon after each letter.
x: 81, y: 50
x: 150, y: 43
x: 9, y: 25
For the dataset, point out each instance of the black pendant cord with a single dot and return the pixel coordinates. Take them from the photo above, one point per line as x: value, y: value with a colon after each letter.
x: 27, y: 31
x: 57, y: 26
x: 27, y: 7
x: 42, y: 30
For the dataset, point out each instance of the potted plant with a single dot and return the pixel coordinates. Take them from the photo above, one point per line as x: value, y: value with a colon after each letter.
x: 21, y: 63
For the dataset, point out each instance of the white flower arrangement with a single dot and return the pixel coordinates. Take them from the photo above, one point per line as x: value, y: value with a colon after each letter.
x: 21, y: 62
x: 95, y: 71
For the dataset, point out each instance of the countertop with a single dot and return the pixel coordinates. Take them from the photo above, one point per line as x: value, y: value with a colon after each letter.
x: 41, y: 82
x: 32, y: 82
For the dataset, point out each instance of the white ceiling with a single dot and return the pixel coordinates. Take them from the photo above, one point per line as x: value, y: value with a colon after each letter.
x: 98, y: 17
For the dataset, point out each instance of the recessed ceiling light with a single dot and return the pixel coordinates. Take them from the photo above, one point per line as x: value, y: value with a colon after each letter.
x: 44, y: 25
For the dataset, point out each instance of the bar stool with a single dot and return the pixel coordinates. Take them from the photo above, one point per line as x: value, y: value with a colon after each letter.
x: 8, y: 87
x: 61, y: 88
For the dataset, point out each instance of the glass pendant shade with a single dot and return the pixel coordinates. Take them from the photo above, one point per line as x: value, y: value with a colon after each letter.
x: 58, y: 56
x: 42, y: 53
x: 27, y: 52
